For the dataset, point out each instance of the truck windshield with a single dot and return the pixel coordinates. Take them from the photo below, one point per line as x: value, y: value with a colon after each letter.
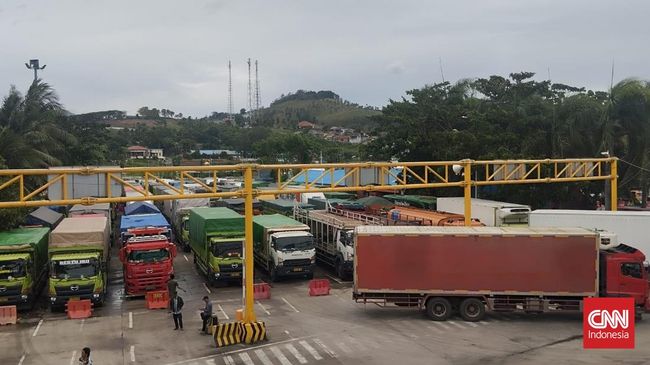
x: 74, y: 269
x: 298, y: 243
x: 12, y: 269
x: 227, y: 249
x: 155, y: 255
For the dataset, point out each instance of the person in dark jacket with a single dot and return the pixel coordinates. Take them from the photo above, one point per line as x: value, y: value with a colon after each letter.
x: 206, y: 314
x: 176, y: 305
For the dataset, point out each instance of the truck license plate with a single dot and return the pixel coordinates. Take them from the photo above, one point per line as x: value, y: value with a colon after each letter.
x: 3, y: 299
x: 74, y: 298
x: 297, y: 269
x: 236, y: 274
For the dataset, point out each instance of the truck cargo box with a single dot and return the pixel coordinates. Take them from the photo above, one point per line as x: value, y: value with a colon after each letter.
x: 81, y: 232
x: 482, y: 260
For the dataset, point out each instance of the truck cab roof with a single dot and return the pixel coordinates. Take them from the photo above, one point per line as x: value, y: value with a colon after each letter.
x: 291, y: 234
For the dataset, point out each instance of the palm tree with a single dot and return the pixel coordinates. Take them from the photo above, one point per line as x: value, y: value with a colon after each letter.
x: 30, y: 128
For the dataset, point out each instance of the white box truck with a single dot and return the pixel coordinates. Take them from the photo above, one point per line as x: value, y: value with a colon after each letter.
x: 630, y: 228
x: 490, y: 212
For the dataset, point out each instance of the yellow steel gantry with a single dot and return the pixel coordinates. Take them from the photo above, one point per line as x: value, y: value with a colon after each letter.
x: 367, y: 176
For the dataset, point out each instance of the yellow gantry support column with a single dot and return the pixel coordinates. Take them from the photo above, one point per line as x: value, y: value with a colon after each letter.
x: 249, y: 310
x: 467, y: 188
x: 613, y: 171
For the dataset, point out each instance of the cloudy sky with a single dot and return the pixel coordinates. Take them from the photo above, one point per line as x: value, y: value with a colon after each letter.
x: 123, y: 54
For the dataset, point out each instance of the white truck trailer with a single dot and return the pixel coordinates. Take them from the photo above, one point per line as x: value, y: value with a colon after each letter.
x: 490, y: 212
x: 630, y: 228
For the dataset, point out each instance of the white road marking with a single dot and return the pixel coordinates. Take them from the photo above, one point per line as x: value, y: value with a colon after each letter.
x: 325, y: 348
x: 440, y: 324
x: 229, y: 360
x: 38, y: 327
x: 222, y: 311
x: 279, y: 355
x: 207, y: 289
x: 22, y: 358
x: 472, y: 324
x: 210, y: 362
x: 130, y: 319
x: 456, y: 324
x: 485, y: 322
x: 296, y: 353
x: 290, y: 305
x: 74, y: 354
x: 261, y: 306
x: 238, y: 351
x: 262, y: 356
x: 344, y: 347
x: 81, y: 326
x: 132, y: 353
x: 311, y: 350
x: 186, y: 259
x: 246, y: 359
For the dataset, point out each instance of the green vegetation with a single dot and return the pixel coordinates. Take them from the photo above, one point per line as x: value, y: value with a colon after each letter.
x: 324, y: 108
x: 518, y: 117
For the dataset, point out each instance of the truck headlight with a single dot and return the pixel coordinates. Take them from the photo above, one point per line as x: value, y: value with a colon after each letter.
x: 52, y: 299
x: 96, y: 295
x: 313, y: 259
x: 23, y: 297
x: 280, y: 262
x: 217, y: 275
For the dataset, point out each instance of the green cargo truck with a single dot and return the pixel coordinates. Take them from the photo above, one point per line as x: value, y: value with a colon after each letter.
x: 79, y: 251
x: 23, y: 265
x: 283, y: 246
x: 216, y: 238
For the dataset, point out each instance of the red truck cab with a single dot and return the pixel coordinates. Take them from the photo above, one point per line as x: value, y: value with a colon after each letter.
x: 623, y: 274
x: 147, y: 257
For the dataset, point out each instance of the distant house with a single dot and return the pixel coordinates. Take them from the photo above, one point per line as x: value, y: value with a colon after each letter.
x: 217, y: 153
x: 140, y: 152
x: 306, y: 125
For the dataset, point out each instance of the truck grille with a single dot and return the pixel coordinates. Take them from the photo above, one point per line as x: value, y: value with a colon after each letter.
x: 10, y: 290
x: 75, y: 290
x: 230, y: 267
x: 299, y: 262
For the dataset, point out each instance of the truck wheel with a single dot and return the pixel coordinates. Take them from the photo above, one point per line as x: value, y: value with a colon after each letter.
x: 472, y: 310
x: 438, y: 309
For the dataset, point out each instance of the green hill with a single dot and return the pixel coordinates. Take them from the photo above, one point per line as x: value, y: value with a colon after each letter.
x: 323, y: 108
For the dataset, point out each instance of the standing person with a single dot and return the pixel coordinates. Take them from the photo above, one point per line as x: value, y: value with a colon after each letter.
x: 206, y: 314
x: 85, y: 357
x: 176, y: 305
x: 172, y: 286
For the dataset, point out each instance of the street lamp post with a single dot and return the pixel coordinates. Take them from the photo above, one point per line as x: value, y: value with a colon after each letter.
x: 34, y: 65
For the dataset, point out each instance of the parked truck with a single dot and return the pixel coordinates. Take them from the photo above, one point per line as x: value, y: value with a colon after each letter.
x: 23, y: 265
x: 216, y: 238
x: 147, y: 259
x: 630, y: 228
x: 283, y: 246
x: 403, y: 216
x: 333, y: 236
x: 79, y: 253
x: 471, y: 269
x: 489, y: 212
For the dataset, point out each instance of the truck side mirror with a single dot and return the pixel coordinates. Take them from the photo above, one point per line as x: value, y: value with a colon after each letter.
x: 123, y: 255
x: 172, y: 251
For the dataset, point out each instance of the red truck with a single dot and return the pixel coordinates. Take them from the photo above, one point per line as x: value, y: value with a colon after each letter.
x: 467, y: 270
x: 147, y: 258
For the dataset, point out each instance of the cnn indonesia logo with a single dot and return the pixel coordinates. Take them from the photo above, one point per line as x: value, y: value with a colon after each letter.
x: 608, y: 323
